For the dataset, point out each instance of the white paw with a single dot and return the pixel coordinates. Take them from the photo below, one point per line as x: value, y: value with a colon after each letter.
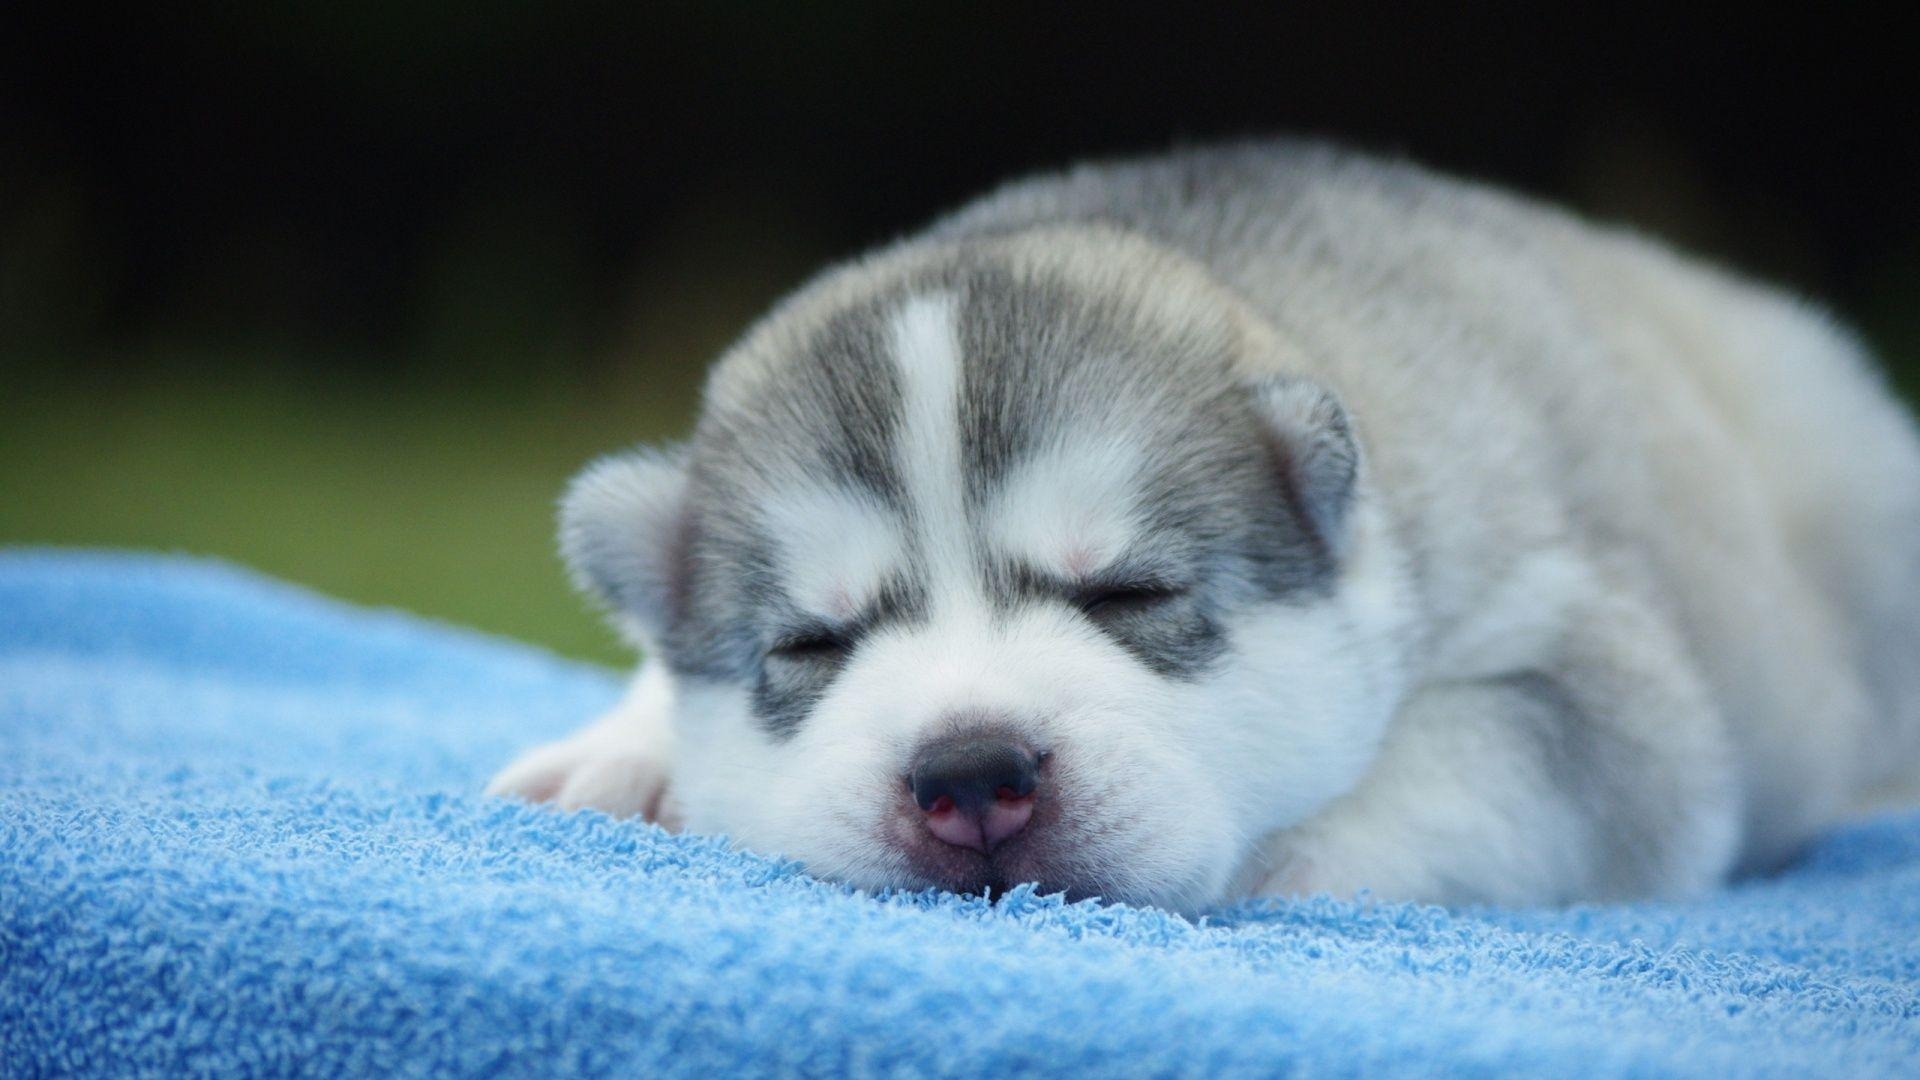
x: 596, y: 770
x: 1302, y: 872
x: 1296, y: 875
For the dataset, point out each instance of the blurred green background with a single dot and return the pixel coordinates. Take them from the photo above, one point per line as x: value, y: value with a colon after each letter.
x: 344, y: 292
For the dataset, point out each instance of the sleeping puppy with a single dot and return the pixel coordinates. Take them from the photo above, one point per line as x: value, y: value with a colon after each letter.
x: 1263, y: 520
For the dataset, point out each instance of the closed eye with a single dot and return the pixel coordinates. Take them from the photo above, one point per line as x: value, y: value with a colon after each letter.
x: 812, y: 648
x: 1106, y: 602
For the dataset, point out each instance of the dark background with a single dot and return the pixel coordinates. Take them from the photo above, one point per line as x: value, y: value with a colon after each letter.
x: 345, y: 291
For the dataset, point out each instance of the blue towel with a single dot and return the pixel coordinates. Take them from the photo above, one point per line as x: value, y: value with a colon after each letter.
x: 240, y: 834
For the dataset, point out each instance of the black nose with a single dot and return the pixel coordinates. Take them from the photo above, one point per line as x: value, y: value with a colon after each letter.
x: 972, y: 772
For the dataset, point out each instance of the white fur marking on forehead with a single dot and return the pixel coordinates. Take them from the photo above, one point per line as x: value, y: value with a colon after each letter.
x: 926, y: 349
x: 1070, y: 508
x: 836, y: 549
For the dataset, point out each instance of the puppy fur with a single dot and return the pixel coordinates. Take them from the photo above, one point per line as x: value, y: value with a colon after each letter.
x: 1327, y: 524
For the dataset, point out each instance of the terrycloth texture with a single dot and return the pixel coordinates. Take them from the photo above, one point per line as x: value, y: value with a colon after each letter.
x: 240, y: 834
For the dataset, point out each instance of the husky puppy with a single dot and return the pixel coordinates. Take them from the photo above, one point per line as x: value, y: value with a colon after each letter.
x: 1263, y: 520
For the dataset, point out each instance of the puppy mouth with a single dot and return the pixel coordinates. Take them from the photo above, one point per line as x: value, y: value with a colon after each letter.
x: 1041, y: 855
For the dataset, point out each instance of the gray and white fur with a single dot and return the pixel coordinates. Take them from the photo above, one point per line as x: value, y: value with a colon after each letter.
x: 1307, y: 522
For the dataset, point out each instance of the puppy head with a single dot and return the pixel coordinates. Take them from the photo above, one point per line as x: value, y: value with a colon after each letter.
x: 999, y: 563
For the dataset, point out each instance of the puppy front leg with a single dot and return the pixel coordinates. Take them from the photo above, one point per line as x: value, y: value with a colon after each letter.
x: 1603, y: 770
x: 620, y: 763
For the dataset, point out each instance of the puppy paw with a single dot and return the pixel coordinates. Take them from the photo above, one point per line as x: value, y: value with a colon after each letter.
x: 594, y: 771
x: 1303, y: 873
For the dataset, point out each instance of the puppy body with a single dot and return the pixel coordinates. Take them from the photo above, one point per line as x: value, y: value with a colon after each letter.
x: 1462, y: 551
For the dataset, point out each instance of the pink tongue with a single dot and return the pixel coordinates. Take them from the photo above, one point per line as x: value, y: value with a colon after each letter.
x: 956, y: 828
x: 1004, y: 817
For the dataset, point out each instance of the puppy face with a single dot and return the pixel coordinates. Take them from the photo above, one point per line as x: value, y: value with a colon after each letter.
x: 1000, y: 566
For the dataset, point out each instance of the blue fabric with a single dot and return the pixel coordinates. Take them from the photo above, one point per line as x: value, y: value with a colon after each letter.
x: 239, y: 835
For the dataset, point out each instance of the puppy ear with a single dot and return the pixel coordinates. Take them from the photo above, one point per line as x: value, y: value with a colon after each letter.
x: 624, y: 535
x: 1313, y: 445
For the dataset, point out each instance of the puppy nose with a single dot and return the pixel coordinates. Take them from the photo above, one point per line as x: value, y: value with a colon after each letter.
x: 977, y: 791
